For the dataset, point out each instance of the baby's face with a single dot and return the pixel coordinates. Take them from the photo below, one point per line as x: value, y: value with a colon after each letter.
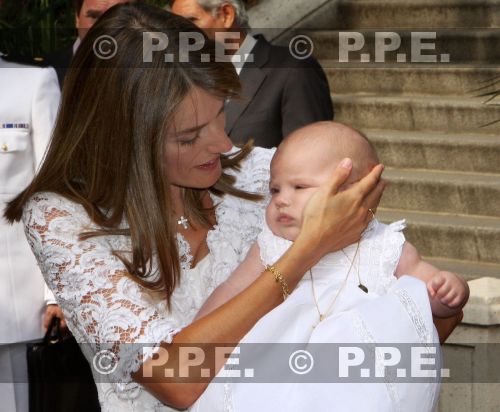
x: 296, y: 173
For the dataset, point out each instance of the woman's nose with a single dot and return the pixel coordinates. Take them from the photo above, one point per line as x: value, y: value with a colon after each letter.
x: 219, y: 140
x: 225, y: 142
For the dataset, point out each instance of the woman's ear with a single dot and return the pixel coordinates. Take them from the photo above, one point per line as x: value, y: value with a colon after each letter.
x: 228, y: 15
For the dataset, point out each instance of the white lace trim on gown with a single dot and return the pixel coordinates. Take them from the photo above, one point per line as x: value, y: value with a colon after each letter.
x: 380, y: 249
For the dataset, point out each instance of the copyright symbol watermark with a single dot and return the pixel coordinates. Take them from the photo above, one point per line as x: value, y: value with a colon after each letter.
x: 105, y: 362
x: 301, y: 362
x: 301, y: 47
x: 105, y: 47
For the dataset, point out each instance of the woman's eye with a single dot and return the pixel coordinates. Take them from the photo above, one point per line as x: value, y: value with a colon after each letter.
x: 189, y: 142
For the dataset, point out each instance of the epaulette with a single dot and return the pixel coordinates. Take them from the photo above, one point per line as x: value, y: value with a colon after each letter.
x: 25, y: 60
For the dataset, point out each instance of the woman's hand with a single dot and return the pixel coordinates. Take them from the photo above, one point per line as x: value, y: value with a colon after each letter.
x: 333, y: 220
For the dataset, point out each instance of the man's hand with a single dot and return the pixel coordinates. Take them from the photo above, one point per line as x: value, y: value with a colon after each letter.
x: 51, y: 312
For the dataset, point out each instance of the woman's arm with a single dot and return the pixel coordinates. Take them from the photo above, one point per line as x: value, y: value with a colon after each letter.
x: 331, y: 221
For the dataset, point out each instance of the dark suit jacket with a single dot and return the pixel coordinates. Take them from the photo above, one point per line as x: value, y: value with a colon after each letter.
x: 60, y: 61
x: 280, y: 94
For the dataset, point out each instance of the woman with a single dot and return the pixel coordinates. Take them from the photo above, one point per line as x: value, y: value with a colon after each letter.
x: 136, y: 215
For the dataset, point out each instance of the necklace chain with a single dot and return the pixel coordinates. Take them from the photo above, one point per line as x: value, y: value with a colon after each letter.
x: 322, y: 316
x: 360, y: 285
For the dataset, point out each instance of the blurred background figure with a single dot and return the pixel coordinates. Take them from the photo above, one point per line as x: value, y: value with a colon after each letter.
x: 86, y: 14
x: 280, y: 93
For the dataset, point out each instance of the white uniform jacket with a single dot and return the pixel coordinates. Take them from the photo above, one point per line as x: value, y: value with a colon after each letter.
x: 29, y: 99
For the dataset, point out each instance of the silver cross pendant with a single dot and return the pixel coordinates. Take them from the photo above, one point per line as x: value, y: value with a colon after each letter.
x: 183, y: 221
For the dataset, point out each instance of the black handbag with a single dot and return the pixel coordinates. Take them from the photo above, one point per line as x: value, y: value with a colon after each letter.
x: 60, y: 379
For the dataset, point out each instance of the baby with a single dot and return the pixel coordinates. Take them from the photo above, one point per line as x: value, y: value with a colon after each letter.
x: 350, y: 296
x: 304, y: 161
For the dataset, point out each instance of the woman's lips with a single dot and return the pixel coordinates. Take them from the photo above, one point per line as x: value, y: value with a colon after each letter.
x: 213, y: 164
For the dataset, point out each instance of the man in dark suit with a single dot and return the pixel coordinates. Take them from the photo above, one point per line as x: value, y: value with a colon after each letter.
x: 86, y: 14
x: 280, y: 93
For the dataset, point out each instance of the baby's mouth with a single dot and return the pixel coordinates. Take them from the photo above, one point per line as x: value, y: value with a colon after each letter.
x: 285, y: 218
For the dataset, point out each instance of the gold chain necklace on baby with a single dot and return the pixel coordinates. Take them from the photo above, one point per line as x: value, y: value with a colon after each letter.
x: 360, y: 285
x: 323, y: 316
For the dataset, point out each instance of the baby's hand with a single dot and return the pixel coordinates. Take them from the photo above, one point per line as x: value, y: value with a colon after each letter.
x: 449, y: 288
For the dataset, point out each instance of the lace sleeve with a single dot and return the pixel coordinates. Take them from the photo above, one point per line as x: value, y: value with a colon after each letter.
x: 389, y: 248
x: 394, y: 240
x: 104, y: 308
x: 271, y: 247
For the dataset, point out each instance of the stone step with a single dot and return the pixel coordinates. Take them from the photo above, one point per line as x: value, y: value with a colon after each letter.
x: 478, y: 46
x: 417, y: 13
x: 449, y: 113
x: 442, y: 192
x: 431, y: 79
x: 476, y: 239
x: 469, y: 270
x: 439, y: 151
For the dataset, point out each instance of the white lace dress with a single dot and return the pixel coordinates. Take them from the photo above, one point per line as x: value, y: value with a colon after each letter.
x: 393, y: 311
x: 103, y: 306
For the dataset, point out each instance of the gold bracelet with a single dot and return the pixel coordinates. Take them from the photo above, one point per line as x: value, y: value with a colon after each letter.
x: 278, y: 277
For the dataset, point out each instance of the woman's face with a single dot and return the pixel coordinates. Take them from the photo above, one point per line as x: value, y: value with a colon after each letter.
x: 196, y: 140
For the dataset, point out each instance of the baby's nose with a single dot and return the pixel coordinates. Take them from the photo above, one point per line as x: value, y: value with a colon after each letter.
x: 282, y: 201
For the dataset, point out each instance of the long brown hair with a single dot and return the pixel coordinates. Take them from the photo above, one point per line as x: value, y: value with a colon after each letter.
x: 107, y: 147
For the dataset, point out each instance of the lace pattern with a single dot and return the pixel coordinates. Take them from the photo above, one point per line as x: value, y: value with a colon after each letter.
x: 415, y: 315
x: 393, y: 240
x: 380, y: 250
x: 271, y: 247
x: 97, y: 298
x: 185, y: 257
x: 228, y: 398
x: 389, y: 378
x: 107, y: 309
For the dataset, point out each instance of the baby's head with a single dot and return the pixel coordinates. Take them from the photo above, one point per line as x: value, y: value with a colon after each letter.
x: 304, y: 161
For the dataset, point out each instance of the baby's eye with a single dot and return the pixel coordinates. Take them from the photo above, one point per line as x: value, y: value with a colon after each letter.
x: 273, y: 190
x: 298, y: 187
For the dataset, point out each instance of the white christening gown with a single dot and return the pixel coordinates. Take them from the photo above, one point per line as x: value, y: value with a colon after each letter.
x: 393, y: 311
